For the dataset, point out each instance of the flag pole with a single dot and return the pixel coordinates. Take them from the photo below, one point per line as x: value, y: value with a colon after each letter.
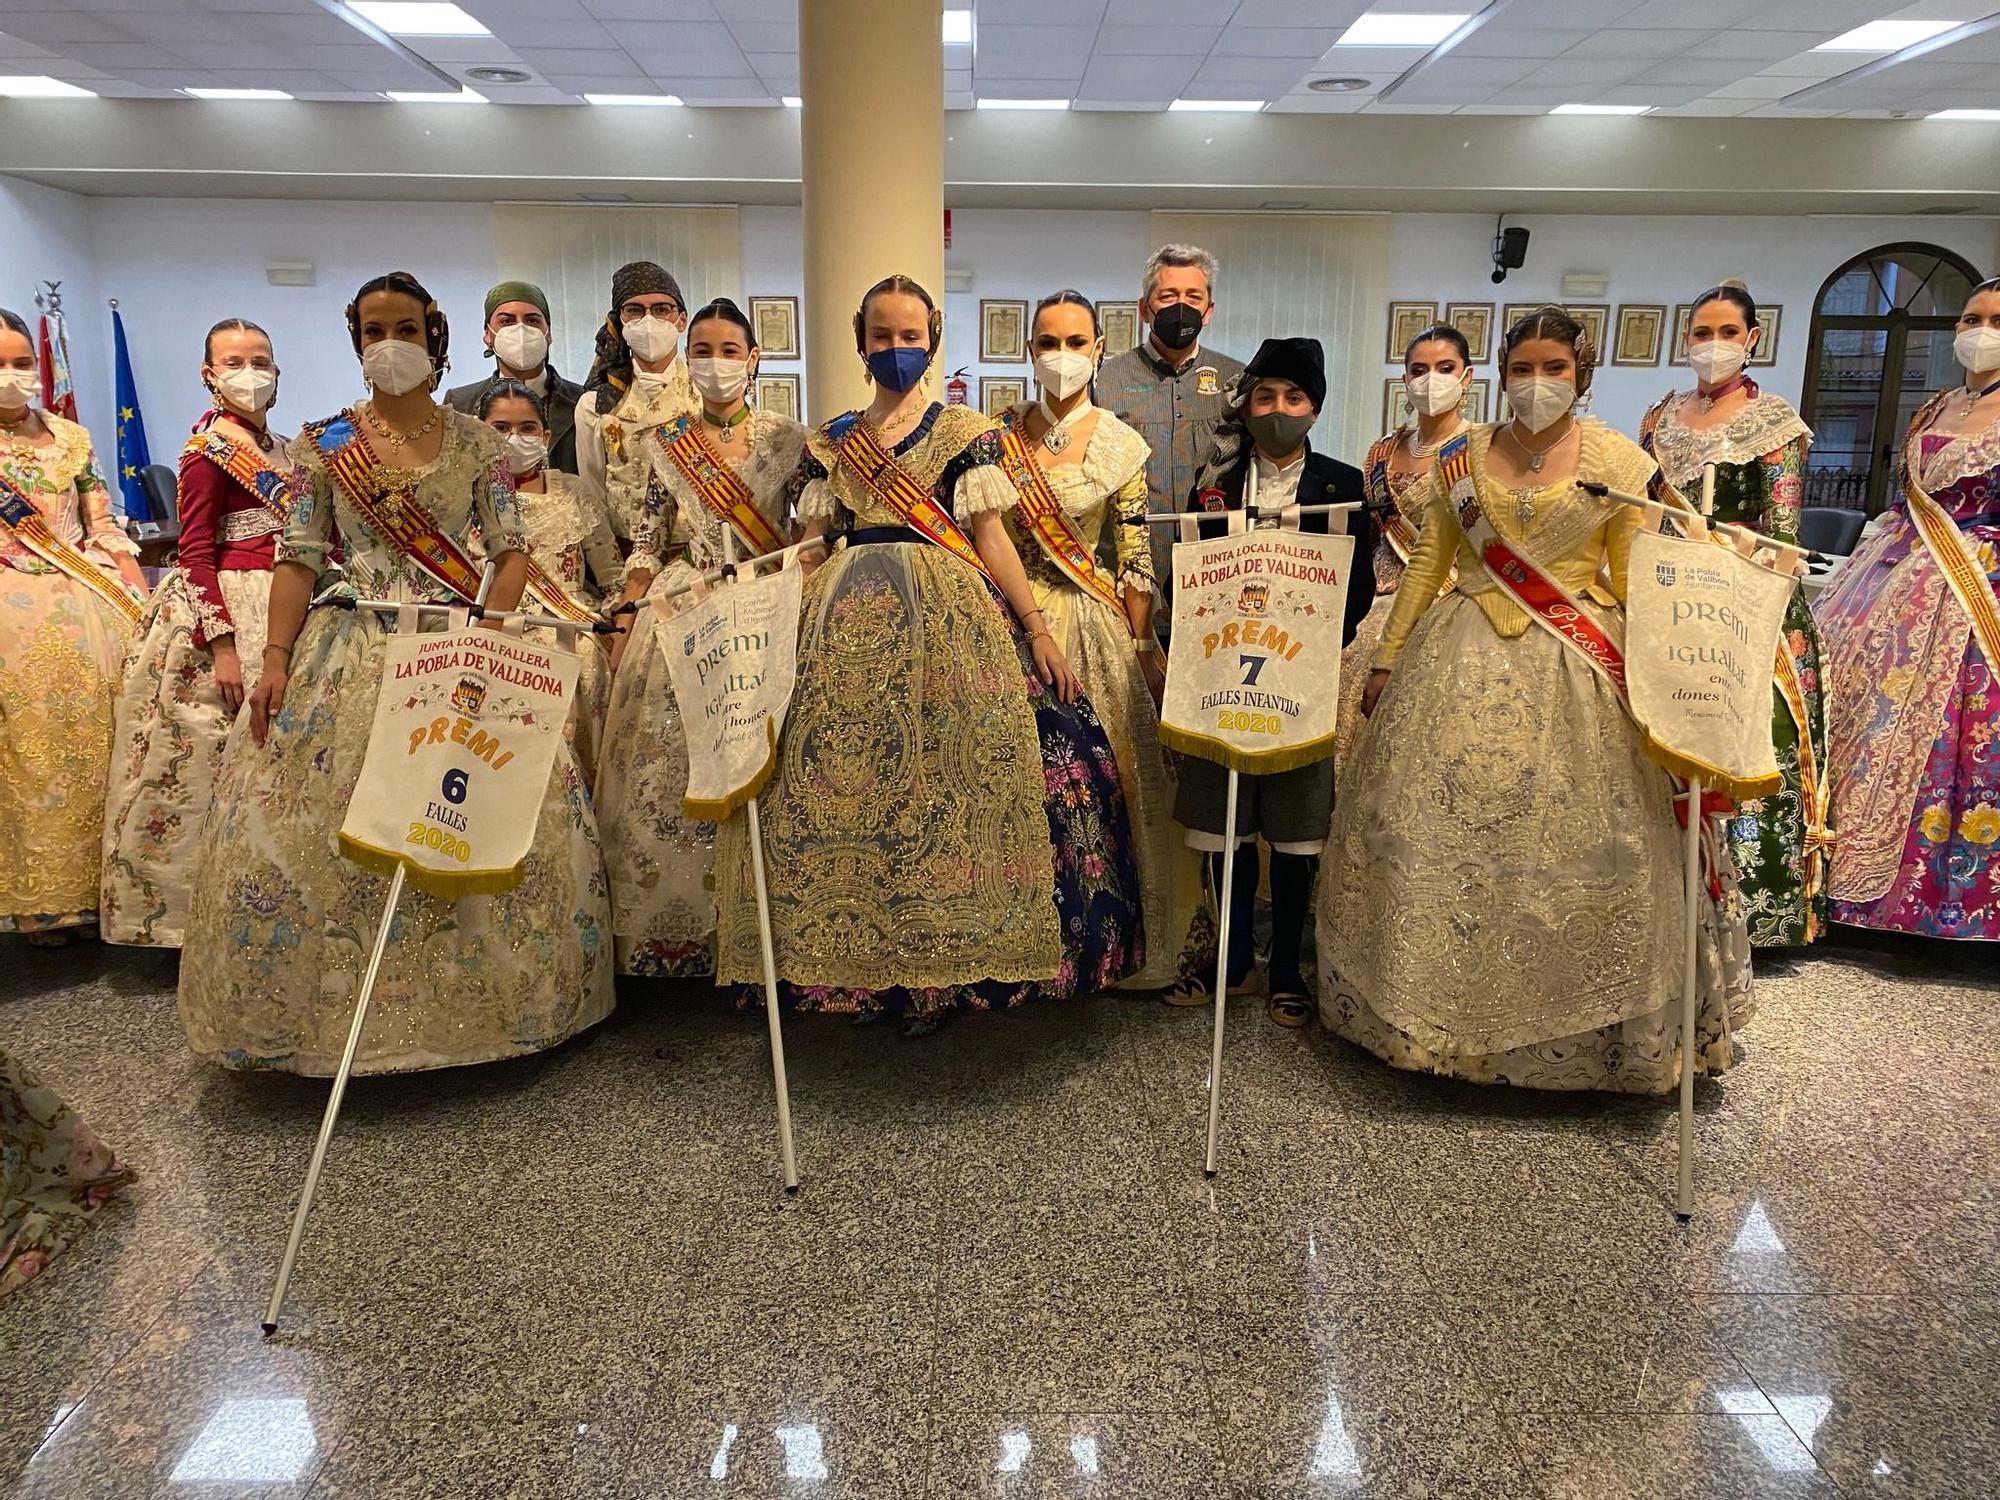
x: 1691, y: 952
x: 343, y: 1073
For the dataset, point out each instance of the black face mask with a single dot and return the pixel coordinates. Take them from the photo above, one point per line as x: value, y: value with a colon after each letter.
x: 1176, y: 325
x: 1279, y: 433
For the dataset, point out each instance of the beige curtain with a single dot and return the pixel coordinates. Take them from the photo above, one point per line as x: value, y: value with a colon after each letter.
x: 1324, y: 276
x: 571, y: 251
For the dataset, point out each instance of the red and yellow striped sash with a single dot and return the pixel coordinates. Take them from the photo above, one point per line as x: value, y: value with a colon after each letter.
x: 34, y: 532
x: 1041, y: 515
x: 889, y: 482
x: 272, y: 487
x: 720, y: 487
x: 394, y: 514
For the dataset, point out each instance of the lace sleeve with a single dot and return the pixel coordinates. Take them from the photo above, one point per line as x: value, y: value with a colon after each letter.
x: 1784, y: 490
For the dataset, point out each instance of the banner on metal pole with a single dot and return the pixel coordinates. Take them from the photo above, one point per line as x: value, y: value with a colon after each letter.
x: 733, y: 657
x: 1703, y: 628
x: 1253, y: 674
x: 465, y: 735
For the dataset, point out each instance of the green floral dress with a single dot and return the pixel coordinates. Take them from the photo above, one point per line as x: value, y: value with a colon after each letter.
x: 1781, y: 843
x: 54, y: 1174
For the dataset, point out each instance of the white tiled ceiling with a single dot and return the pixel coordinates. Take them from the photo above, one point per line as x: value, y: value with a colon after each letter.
x: 1694, y: 57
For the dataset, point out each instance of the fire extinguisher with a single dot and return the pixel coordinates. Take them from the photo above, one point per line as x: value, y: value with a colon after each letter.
x: 956, y: 389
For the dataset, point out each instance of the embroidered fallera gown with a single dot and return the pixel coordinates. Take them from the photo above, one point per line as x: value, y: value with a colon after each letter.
x: 1778, y: 842
x: 171, y: 721
x: 281, y: 924
x: 614, y: 448
x: 54, y: 1174
x: 662, y: 861
x: 1913, y: 720
x: 1508, y: 906
x: 1391, y: 493
x: 569, y: 534
x: 1106, y: 483
x: 939, y: 830
x: 62, y: 657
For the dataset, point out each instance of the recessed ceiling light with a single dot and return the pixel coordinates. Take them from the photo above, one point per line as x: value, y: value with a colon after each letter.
x: 958, y: 28
x: 1885, y: 36
x: 1214, y: 106
x: 1965, y: 114
x: 656, y: 100
x: 236, y: 93
x: 1023, y: 104
x: 1337, y: 85
x: 412, y: 18
x: 1600, y: 109
x: 1399, y: 31
x: 420, y: 96
x: 792, y: 101
x: 39, y: 86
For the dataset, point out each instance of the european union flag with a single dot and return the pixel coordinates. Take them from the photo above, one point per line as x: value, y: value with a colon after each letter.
x: 132, y: 453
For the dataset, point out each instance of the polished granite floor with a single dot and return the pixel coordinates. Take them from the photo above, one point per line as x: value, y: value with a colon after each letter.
x: 575, y: 1276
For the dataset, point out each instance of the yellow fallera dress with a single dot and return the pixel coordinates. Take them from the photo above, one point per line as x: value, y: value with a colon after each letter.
x: 1107, y: 485
x: 1507, y: 906
x: 62, y: 656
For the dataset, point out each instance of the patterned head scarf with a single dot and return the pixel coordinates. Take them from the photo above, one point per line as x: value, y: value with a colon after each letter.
x: 437, y: 332
x: 611, y: 372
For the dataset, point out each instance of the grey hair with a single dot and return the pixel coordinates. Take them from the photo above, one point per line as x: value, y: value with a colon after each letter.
x: 1178, y: 255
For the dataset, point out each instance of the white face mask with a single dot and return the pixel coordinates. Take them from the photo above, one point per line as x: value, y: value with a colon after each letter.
x: 19, y: 388
x: 248, y: 389
x: 521, y: 346
x: 1061, y: 373
x: 394, y: 367
x: 526, y: 453
x: 1716, y: 361
x: 719, y: 379
x: 1434, y: 393
x: 1977, y: 349
x: 1540, y: 401
x: 651, y: 338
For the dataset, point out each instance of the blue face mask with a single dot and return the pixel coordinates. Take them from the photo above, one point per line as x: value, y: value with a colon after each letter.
x: 899, y: 368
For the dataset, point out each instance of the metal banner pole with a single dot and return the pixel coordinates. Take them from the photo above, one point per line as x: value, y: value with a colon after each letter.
x: 1222, y: 904
x: 780, y: 1086
x: 332, y: 1115
x: 1691, y: 953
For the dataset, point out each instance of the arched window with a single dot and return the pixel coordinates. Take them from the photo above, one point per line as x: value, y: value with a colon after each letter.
x: 1881, y: 342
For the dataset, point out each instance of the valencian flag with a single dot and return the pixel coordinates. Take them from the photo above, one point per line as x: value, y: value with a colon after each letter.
x: 132, y: 453
x: 58, y: 392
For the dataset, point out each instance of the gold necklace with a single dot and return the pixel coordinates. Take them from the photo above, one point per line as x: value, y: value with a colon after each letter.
x: 397, y: 441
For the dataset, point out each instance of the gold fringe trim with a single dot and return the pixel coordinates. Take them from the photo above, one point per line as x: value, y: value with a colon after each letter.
x: 1249, y: 762
x: 1712, y: 780
x: 722, y: 808
x: 446, y: 887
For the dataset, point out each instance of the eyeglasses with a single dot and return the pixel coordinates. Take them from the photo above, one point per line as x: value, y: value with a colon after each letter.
x: 632, y: 312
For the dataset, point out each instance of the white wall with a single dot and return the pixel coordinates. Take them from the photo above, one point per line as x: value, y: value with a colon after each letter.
x: 1448, y: 258
x: 48, y: 238
x: 177, y: 265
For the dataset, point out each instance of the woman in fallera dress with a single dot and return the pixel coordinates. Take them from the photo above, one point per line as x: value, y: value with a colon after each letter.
x: 201, y: 646
x: 1078, y: 468
x: 569, y: 537
x: 1507, y: 906
x: 1758, y: 445
x: 724, y: 482
x: 281, y: 923
x: 944, y: 826
x: 70, y: 591
x: 1912, y: 626
x: 1437, y: 369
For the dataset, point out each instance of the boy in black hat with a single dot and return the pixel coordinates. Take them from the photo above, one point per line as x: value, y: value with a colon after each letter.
x: 1277, y: 401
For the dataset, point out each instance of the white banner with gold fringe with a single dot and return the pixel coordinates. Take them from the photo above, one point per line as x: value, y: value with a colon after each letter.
x: 733, y: 657
x: 1253, y: 673
x: 464, y: 738
x: 1703, y: 624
